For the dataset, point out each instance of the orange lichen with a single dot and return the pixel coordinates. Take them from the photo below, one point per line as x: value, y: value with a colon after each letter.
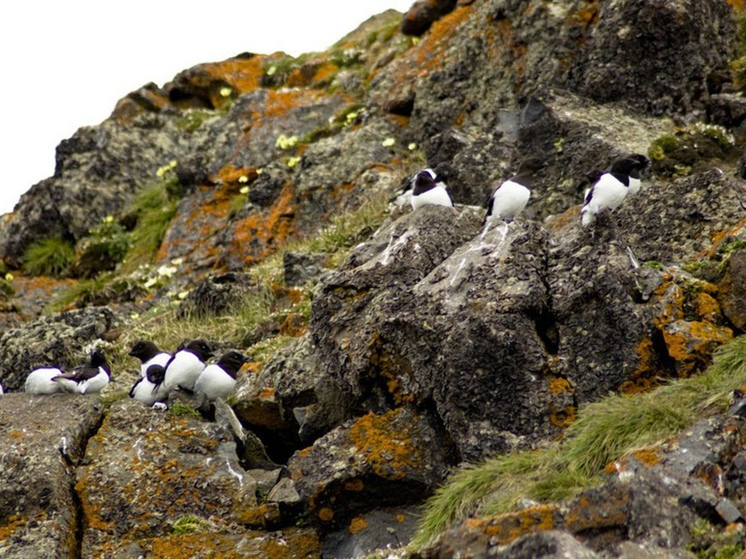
x: 611, y: 511
x: 644, y: 376
x: 12, y: 524
x: 562, y: 418
x: 647, y: 457
x: 326, y: 514
x: 357, y: 525
x: 707, y: 307
x: 263, y: 233
x: 505, y: 528
x: 263, y: 515
x: 235, y: 175
x: 738, y: 5
x: 355, y: 485
x: 400, y: 518
x: 717, y: 238
x: 324, y: 74
x: 691, y: 344
x: 558, y: 385
x: 387, y: 447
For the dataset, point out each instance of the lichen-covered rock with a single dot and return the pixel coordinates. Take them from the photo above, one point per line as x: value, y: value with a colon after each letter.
x: 146, y: 470
x: 377, y: 460
x: 217, y: 295
x: 733, y: 290
x: 57, y: 340
x: 423, y: 13
x: 42, y: 440
x: 551, y: 544
x: 680, y: 43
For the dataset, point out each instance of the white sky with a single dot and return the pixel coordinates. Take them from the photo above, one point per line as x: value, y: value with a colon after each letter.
x: 65, y: 64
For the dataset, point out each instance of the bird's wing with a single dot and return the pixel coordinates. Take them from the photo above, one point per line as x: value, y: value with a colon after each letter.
x: 80, y: 374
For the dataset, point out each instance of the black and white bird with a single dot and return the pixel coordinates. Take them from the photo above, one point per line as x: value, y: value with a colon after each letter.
x: 635, y: 180
x: 185, y: 366
x: 429, y: 188
x: 219, y: 379
x: 150, y: 389
x: 610, y: 189
x: 510, y: 198
x: 41, y: 381
x: 89, y: 378
x: 149, y: 354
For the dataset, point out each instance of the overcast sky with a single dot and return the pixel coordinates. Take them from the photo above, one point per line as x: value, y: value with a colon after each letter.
x: 65, y: 64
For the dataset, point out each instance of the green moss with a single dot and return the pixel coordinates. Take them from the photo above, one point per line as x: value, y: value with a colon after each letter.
x: 654, y: 265
x: 180, y: 409
x: 102, y: 250
x: 604, y: 431
x: 661, y: 146
x: 192, y: 119
x: 48, y: 257
x: 726, y: 249
x: 189, y: 524
x: 709, y: 542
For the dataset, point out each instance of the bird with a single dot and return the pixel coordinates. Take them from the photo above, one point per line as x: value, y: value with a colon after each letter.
x: 2, y: 390
x: 634, y: 177
x: 149, y: 354
x: 610, y: 189
x: 429, y: 187
x: 509, y: 199
x: 149, y: 389
x: 186, y: 364
x: 41, y: 380
x: 89, y: 378
x: 219, y: 379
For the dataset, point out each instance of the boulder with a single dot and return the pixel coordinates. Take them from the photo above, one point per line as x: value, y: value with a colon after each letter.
x: 42, y: 441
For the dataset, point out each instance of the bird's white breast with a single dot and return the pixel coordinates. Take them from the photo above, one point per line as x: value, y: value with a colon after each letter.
x: 510, y: 199
x: 608, y: 193
x: 215, y: 383
x: 40, y: 381
x: 159, y: 359
x: 436, y: 196
x: 183, y: 370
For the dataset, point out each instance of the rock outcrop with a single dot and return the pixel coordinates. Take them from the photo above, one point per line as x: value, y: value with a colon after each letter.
x: 244, y: 202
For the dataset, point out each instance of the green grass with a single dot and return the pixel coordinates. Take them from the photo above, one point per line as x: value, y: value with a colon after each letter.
x: 189, y: 524
x: 155, y: 208
x: 48, y: 257
x: 180, y: 409
x: 604, y: 431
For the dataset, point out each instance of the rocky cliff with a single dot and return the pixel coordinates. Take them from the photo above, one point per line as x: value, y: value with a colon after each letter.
x: 417, y: 383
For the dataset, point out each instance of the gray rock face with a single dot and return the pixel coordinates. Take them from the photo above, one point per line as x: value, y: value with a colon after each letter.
x: 51, y: 340
x: 551, y: 544
x: 679, y: 43
x: 145, y: 470
x: 42, y: 440
x: 98, y: 171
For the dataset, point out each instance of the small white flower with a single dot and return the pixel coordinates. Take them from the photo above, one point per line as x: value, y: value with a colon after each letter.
x: 293, y: 161
x: 243, y: 179
x: 8, y: 277
x: 225, y: 91
x: 259, y: 171
x: 177, y: 261
x: 388, y: 142
x: 134, y: 316
x: 183, y: 295
x: 173, y: 163
x: 244, y: 190
x: 412, y: 146
x: 166, y: 271
x: 271, y: 70
x: 150, y: 283
x: 109, y: 219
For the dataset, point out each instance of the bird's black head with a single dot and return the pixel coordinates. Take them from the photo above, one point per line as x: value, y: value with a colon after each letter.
x: 423, y: 181
x: 531, y: 165
x: 443, y: 172
x: 98, y: 359
x: 155, y: 374
x: 232, y: 361
x: 144, y: 350
x: 200, y: 348
x: 630, y: 165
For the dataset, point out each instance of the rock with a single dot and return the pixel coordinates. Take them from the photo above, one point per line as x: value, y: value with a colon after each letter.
x: 217, y: 295
x: 284, y: 493
x: 632, y: 550
x: 42, y: 441
x: 375, y: 461
x: 377, y: 530
x: 423, y: 13
x: 58, y: 339
x: 679, y: 43
x: 299, y: 268
x: 733, y: 290
x: 552, y: 544
x: 145, y: 470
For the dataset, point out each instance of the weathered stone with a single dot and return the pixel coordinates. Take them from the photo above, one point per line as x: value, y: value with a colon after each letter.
x: 423, y: 13
x: 51, y: 340
x: 284, y: 493
x: 217, y: 295
x: 679, y: 43
x: 145, y: 470
x: 42, y: 440
x: 732, y: 294
x: 299, y: 268
x: 374, y: 461
x: 377, y: 530
x: 551, y: 544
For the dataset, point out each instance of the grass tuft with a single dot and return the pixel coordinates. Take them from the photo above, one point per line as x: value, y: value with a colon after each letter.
x: 604, y: 431
x: 48, y: 257
x: 155, y: 208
